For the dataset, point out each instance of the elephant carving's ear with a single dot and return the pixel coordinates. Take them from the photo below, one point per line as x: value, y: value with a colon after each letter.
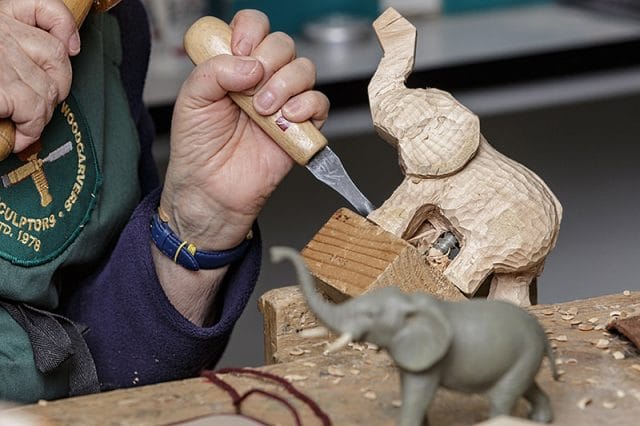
x: 422, y: 342
x: 444, y: 141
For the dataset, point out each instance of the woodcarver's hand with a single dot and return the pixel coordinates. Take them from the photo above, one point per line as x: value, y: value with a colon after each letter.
x: 222, y: 166
x: 36, y: 39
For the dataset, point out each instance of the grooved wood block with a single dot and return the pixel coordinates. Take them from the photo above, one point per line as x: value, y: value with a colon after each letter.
x: 350, y: 255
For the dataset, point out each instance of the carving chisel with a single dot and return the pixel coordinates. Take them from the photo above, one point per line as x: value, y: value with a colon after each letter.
x: 209, y: 37
x: 79, y: 9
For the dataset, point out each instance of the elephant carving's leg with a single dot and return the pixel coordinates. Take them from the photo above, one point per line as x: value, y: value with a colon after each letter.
x: 417, y: 392
x: 540, y: 404
x: 468, y: 270
x: 512, y: 287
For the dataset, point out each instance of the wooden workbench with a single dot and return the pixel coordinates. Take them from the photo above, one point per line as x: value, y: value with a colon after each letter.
x: 359, y: 384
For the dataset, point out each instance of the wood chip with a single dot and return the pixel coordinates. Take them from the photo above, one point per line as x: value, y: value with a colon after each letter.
x: 371, y: 395
x: 561, y: 338
x: 610, y: 405
x: 548, y: 312
x: 593, y: 381
x: 635, y: 367
x: 568, y: 317
x: 594, y: 320
x: 585, y: 327
x: 372, y: 347
x: 575, y: 322
x: 573, y: 311
x: 582, y: 404
x: 335, y: 371
x: 618, y: 355
x: 615, y: 313
x: 602, y: 344
x: 626, y: 293
x: 337, y: 380
x: 296, y: 351
x: 599, y: 327
x: 572, y: 361
x: 354, y: 371
x: 309, y: 364
x: 396, y: 403
x: 295, y: 377
x: 620, y: 393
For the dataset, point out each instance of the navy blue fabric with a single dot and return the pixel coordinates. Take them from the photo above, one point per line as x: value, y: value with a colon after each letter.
x: 135, y: 335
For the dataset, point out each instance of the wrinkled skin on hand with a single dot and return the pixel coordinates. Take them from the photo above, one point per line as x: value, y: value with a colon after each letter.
x: 223, y: 167
x: 36, y: 39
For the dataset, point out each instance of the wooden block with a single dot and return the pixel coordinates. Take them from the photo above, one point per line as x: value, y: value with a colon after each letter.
x: 350, y: 255
x: 285, y: 315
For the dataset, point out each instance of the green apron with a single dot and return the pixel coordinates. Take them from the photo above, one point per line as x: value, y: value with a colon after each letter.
x: 64, y: 201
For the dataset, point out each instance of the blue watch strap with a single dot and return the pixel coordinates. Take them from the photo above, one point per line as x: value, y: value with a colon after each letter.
x: 186, y: 254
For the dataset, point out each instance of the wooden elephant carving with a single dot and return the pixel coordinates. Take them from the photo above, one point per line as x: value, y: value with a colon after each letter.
x: 501, y: 219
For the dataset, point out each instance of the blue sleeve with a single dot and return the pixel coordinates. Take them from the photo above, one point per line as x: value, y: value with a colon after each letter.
x: 135, y: 335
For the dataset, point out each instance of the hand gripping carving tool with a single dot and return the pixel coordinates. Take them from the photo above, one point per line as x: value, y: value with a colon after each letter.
x: 79, y: 9
x: 209, y: 37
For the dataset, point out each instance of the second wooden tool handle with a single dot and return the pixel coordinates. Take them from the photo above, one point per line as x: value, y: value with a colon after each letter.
x: 209, y: 37
x: 79, y: 9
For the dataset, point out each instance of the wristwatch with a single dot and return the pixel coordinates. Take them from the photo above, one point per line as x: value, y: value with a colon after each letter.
x: 186, y: 254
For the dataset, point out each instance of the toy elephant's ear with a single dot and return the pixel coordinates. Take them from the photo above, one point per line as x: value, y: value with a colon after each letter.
x: 444, y: 141
x: 422, y: 342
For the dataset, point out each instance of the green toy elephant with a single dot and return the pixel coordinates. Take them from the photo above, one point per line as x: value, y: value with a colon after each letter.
x: 472, y: 346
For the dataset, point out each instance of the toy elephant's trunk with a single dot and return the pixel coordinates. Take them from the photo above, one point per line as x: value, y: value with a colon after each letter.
x: 331, y: 315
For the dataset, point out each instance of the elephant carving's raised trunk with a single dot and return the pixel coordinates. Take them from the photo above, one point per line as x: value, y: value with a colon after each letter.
x: 330, y: 314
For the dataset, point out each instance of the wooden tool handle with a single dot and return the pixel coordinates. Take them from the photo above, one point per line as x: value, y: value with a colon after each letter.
x: 79, y: 9
x: 209, y: 37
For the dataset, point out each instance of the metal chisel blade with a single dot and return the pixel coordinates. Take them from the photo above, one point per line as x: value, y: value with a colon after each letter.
x: 327, y: 168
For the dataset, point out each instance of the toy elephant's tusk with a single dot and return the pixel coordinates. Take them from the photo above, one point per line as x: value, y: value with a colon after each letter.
x: 339, y: 343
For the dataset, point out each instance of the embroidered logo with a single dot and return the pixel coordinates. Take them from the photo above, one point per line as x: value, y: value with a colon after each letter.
x: 47, y: 191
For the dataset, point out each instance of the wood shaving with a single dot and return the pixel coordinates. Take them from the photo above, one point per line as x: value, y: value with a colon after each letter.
x: 615, y: 314
x: 635, y: 367
x: 396, y: 403
x: 354, y: 371
x: 602, y: 344
x: 337, y: 380
x: 618, y: 355
x: 561, y: 338
x: 295, y: 377
x: 620, y: 393
x: 296, y: 351
x: 585, y: 327
x: 626, y: 293
x: 335, y: 371
x: 548, y: 312
x: 594, y: 320
x: 593, y: 381
x: 582, y: 404
x: 599, y: 327
x: 372, y: 347
x: 568, y: 317
x: 573, y: 311
x: 356, y: 346
x: 572, y: 361
x: 576, y: 322
x: 610, y: 405
x: 309, y: 364
x: 371, y: 395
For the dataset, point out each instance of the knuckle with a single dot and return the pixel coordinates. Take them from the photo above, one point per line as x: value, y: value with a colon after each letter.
x: 58, y: 52
x: 307, y: 66
x: 285, y: 40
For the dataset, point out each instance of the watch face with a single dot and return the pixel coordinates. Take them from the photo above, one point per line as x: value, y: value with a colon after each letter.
x: 47, y: 191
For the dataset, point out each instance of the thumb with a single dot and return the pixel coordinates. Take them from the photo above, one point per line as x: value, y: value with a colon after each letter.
x: 213, y: 79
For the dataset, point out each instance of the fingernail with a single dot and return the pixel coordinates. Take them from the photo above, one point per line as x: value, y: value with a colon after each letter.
x: 74, y: 43
x: 265, y: 100
x: 246, y: 66
x: 243, y: 47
